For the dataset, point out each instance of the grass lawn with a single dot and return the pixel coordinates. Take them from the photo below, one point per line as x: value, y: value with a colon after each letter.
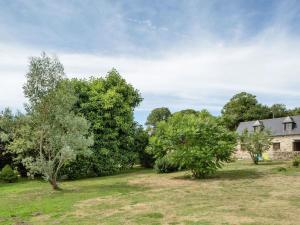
x: 241, y: 193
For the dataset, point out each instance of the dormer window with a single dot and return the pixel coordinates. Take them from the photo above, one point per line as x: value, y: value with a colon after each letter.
x: 288, y: 123
x: 258, y: 125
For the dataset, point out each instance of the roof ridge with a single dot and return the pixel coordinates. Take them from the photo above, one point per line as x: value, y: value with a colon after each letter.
x: 270, y: 119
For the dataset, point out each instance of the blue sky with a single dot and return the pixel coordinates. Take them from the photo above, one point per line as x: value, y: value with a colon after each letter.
x: 179, y: 54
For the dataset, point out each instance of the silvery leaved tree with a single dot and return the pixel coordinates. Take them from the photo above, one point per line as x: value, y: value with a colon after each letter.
x: 255, y: 143
x: 54, y: 135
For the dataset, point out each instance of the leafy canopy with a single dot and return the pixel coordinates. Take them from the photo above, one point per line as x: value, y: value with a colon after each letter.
x: 43, y: 76
x: 157, y: 115
x: 255, y: 143
x: 8, y: 175
x: 195, y: 141
x: 54, y: 135
x: 108, y: 104
x: 9, y: 128
x: 243, y: 107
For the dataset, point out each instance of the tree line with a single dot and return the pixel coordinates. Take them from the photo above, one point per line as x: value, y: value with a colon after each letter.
x: 75, y: 128
x: 72, y: 128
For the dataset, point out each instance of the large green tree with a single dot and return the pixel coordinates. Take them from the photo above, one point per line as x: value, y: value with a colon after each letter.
x: 243, y: 107
x: 9, y: 129
x: 54, y: 135
x: 157, y: 115
x: 6, y: 135
x: 279, y: 110
x: 108, y: 104
x: 295, y: 111
x: 195, y: 141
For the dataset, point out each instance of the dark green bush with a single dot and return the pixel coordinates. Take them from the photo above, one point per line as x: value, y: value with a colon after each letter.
x: 296, y: 161
x: 164, y: 165
x: 80, y: 168
x: 146, y: 160
x: 281, y: 169
x: 8, y: 175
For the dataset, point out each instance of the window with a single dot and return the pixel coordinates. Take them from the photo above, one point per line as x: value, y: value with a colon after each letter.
x: 297, y: 145
x: 258, y: 128
x: 243, y: 147
x: 288, y: 126
x: 276, y: 146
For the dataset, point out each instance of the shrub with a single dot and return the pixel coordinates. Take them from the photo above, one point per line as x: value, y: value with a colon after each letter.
x: 195, y: 142
x: 80, y: 168
x: 8, y: 175
x: 281, y: 169
x: 164, y: 165
x: 255, y: 143
x: 146, y: 160
x: 141, y: 140
x: 296, y: 161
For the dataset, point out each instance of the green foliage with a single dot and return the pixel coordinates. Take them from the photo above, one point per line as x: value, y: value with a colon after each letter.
x: 243, y: 107
x: 6, y: 132
x: 281, y: 169
x: 188, y: 111
x: 165, y: 165
x: 157, y: 115
x: 108, y: 104
x: 295, y: 111
x: 195, y: 141
x: 43, y: 76
x: 9, y: 128
x: 53, y: 135
x: 296, y: 161
x: 279, y: 110
x: 81, y: 167
x: 141, y: 140
x: 255, y: 143
x: 8, y: 175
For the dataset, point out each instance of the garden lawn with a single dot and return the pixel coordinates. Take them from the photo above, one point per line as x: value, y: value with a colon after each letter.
x: 241, y: 193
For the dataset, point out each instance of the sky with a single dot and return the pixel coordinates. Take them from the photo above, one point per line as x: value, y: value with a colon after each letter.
x: 178, y: 54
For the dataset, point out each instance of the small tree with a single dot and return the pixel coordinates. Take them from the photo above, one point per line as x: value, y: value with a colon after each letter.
x: 8, y: 175
x: 195, y: 141
x: 157, y: 115
x: 255, y: 143
x: 243, y: 107
x: 54, y: 135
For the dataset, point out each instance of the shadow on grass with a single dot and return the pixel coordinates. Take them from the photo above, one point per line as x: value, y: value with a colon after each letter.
x: 103, y: 189
x: 236, y: 174
x: 270, y: 163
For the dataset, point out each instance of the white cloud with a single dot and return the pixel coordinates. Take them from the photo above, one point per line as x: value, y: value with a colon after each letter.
x: 198, y: 78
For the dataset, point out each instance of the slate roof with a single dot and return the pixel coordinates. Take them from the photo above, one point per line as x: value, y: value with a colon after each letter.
x: 288, y: 119
x: 276, y: 125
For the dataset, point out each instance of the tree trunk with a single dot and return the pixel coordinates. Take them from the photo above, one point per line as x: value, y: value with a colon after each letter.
x: 54, y: 184
x: 254, y: 158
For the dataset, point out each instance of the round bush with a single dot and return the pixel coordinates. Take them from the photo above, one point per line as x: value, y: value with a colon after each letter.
x: 8, y: 175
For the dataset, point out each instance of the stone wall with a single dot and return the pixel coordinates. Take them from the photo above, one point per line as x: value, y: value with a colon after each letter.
x: 280, y: 155
x: 284, y: 153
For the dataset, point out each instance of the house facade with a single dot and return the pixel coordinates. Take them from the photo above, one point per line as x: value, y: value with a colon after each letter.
x: 285, y: 132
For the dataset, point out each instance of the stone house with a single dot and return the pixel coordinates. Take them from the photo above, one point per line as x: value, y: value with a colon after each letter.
x: 285, y: 133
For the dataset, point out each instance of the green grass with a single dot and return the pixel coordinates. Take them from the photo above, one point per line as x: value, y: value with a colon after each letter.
x: 241, y: 193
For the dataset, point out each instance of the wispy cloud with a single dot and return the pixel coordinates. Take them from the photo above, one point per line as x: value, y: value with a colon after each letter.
x: 183, y: 55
